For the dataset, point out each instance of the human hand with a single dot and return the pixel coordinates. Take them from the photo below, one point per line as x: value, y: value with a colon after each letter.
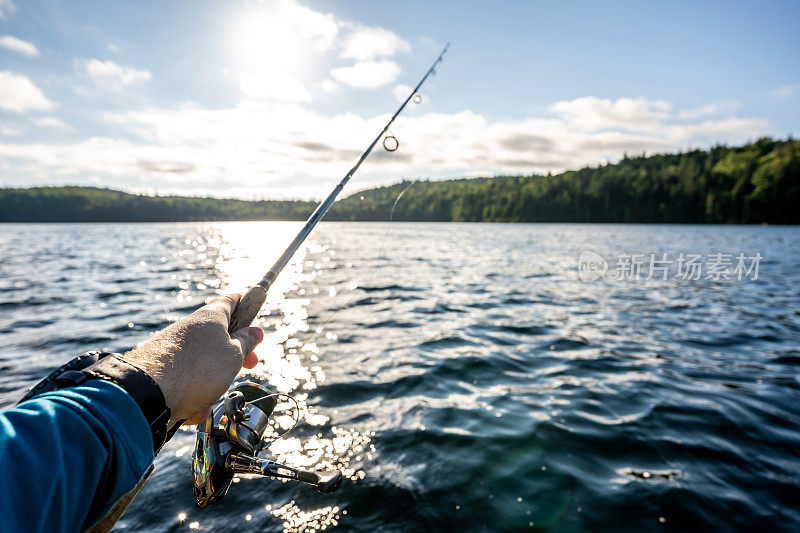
x: 194, y: 360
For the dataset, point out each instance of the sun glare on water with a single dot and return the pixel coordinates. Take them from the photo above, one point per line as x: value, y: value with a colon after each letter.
x: 289, y: 359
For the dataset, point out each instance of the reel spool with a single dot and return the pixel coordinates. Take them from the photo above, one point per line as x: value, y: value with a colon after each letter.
x: 229, y: 440
x: 247, y: 411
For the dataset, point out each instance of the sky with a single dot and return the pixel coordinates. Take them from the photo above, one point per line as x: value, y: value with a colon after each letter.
x: 278, y: 98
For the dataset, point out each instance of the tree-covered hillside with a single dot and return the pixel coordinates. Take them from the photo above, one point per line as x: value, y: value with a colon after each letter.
x: 89, y: 204
x: 755, y: 183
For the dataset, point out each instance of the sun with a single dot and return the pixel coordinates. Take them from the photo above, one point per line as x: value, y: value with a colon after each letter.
x: 275, y: 46
x: 265, y: 40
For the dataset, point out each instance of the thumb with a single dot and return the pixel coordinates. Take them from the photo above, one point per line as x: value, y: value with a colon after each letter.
x: 247, y: 339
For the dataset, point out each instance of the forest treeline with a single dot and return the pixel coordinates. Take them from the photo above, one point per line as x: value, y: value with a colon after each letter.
x: 91, y: 204
x: 755, y: 183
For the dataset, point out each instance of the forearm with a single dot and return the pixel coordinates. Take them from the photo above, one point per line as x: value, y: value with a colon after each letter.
x: 71, y: 454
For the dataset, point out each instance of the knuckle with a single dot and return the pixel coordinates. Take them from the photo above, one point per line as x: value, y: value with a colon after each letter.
x: 222, y: 306
x: 221, y: 300
x: 217, y: 328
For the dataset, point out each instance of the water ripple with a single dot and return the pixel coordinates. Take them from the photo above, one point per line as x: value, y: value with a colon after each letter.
x: 465, y: 381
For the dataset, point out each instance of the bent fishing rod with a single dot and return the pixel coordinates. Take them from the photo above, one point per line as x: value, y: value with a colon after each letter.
x: 239, y: 421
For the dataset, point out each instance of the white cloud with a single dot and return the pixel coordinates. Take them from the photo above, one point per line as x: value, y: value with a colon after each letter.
x: 710, y: 110
x: 19, y: 46
x: 276, y: 28
x: 6, y: 8
x: 277, y: 43
x: 319, y: 29
x: 286, y: 150
x: 591, y: 113
x: 401, y: 92
x: 328, y: 86
x: 9, y: 132
x: 51, y: 122
x: 111, y: 75
x: 365, y: 43
x: 18, y: 94
x: 367, y: 74
x: 275, y: 86
x: 785, y: 91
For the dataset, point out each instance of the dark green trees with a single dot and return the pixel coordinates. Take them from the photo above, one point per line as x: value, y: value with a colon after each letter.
x: 755, y: 183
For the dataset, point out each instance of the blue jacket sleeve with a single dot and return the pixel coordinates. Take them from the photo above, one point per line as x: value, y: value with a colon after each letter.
x: 66, y: 457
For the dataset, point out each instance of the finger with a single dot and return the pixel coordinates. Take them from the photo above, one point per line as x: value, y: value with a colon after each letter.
x: 247, y: 338
x: 198, y: 417
x: 224, y: 304
x: 250, y: 360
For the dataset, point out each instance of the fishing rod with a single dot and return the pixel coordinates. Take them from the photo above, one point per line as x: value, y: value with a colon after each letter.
x: 228, y: 441
x: 251, y: 303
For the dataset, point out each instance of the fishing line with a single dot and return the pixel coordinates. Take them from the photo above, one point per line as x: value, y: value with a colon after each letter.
x: 265, y: 443
x: 296, y: 417
x: 318, y: 330
x: 390, y: 146
x: 311, y: 336
x: 258, y: 293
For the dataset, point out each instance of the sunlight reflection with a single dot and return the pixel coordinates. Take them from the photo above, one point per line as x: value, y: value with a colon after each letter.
x: 295, y: 519
x: 287, y: 363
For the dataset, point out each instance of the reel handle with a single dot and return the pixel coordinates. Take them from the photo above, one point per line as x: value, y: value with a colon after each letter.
x: 234, y: 405
x: 326, y: 481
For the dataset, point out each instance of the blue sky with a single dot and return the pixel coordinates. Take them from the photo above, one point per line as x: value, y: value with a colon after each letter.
x: 278, y: 98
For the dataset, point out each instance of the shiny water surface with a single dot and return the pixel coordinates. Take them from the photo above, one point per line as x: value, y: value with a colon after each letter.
x: 464, y: 378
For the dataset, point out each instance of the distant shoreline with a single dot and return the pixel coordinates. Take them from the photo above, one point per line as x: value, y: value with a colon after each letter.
x: 443, y: 222
x: 751, y: 184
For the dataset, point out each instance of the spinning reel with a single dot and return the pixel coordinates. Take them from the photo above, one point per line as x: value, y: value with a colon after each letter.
x: 228, y: 443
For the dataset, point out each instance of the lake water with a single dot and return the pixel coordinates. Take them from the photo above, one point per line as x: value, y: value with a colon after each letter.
x: 465, y: 378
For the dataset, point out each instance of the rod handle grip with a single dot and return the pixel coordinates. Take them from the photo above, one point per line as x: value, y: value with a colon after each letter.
x: 247, y: 309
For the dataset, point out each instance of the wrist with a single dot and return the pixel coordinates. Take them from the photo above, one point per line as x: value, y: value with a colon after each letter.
x: 158, y: 371
x: 139, y: 385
